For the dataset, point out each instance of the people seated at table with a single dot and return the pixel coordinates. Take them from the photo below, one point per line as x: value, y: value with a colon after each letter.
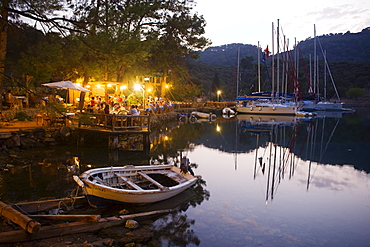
x: 134, y: 110
x: 115, y: 109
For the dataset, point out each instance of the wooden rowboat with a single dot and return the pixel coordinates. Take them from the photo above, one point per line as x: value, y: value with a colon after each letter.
x: 199, y: 114
x: 134, y: 184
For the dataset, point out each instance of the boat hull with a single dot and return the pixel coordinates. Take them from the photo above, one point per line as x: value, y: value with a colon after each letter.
x: 203, y: 115
x: 322, y: 106
x: 95, y: 191
x: 269, y: 110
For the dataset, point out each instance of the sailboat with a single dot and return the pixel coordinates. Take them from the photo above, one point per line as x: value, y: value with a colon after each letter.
x: 322, y: 104
x: 265, y: 105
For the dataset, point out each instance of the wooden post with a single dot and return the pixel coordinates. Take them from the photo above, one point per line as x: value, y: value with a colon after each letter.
x: 20, y: 219
x: 113, y: 142
x: 62, y: 217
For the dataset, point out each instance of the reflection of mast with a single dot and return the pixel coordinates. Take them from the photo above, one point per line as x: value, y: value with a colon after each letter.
x: 322, y: 150
x: 236, y: 146
x: 268, y: 174
x: 280, y: 156
x: 255, y: 159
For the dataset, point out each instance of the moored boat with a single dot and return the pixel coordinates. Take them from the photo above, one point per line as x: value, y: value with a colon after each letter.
x: 134, y: 184
x: 199, y: 114
x: 265, y: 107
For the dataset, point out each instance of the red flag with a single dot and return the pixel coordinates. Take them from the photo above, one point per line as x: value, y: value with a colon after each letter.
x: 267, y: 53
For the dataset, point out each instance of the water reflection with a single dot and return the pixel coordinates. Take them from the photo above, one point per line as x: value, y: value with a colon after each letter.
x: 316, y: 171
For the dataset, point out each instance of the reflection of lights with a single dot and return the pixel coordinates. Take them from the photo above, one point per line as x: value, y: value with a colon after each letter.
x: 218, y: 128
x: 89, y: 166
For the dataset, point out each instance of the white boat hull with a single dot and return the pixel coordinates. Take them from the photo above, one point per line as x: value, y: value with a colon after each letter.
x: 322, y: 106
x: 96, y: 191
x: 276, y: 109
x: 203, y: 115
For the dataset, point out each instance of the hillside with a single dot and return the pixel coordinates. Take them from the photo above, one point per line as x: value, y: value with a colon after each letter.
x: 348, y: 56
x: 348, y: 47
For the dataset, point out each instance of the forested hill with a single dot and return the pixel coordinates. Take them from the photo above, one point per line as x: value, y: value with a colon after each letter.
x: 348, y: 56
x: 347, y: 47
x: 227, y: 54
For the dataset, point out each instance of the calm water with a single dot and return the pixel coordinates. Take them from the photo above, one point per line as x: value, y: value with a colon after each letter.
x: 265, y: 182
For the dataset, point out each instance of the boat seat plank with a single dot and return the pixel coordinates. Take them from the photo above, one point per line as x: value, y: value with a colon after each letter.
x: 100, y: 181
x: 175, y: 176
x: 171, y: 174
x: 132, y: 184
x: 152, y: 181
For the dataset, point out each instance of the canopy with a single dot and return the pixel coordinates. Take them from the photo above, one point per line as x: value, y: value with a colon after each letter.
x: 66, y: 85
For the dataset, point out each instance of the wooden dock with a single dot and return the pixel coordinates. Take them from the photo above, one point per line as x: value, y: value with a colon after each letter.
x: 114, y: 123
x: 60, y: 225
x: 114, y: 126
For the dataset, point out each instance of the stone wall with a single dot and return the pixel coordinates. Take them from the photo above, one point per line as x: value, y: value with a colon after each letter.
x: 42, y: 137
x: 38, y: 137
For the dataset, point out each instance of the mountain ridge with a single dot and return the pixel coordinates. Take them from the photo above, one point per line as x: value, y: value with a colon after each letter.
x: 347, y: 47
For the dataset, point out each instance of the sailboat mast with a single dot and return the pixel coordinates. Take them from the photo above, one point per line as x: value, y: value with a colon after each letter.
x: 278, y: 60
x: 314, y: 60
x: 325, y: 80
x: 272, y: 65
x: 259, y: 67
x: 238, y: 73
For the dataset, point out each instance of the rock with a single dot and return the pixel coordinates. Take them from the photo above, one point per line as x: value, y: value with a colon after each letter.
x: 49, y: 140
x: 131, y: 224
x: 130, y: 245
x: 142, y: 235
x: 28, y: 143
x: 123, y: 211
x: 9, y: 143
x: 89, y: 245
x: 65, y: 131
x: 124, y: 240
x: 17, y: 140
x: 130, y: 235
x: 108, y: 242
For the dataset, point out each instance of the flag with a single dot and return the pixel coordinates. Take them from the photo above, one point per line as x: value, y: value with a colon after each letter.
x: 267, y: 53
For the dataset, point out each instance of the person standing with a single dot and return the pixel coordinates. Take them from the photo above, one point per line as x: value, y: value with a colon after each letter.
x: 9, y: 99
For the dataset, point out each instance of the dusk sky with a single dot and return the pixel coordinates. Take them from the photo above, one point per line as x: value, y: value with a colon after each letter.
x: 247, y: 22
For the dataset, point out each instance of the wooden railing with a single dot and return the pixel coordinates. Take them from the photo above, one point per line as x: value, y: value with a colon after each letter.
x: 115, y: 123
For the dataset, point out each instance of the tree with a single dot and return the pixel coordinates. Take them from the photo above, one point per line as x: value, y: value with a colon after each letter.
x: 105, y: 39
x: 150, y: 35
x: 12, y: 10
x: 355, y: 93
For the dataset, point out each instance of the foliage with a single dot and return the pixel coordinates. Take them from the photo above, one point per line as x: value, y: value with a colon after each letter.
x: 355, y: 93
x: 102, y: 40
x: 345, y: 71
x: 53, y: 109
x: 22, y: 116
x: 347, y: 47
